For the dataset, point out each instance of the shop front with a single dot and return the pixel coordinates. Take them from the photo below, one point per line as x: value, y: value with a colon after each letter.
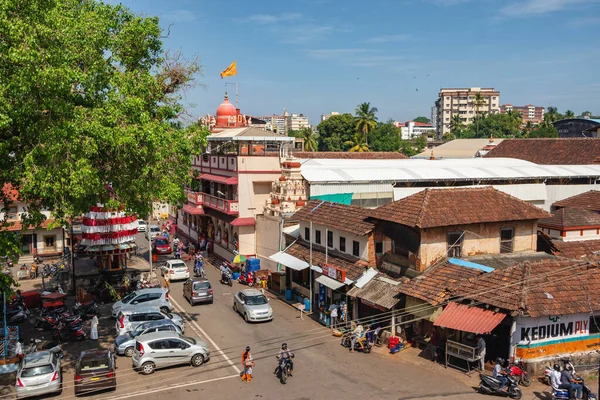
x: 331, y: 291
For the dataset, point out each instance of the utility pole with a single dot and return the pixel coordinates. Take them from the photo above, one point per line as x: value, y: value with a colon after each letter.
x: 73, y: 259
x: 149, y: 233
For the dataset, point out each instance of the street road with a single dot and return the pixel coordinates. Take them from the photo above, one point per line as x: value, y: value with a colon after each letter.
x: 323, y: 368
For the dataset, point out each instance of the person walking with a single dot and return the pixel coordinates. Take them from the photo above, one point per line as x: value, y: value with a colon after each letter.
x: 334, y: 317
x: 167, y: 281
x: 247, y: 364
x: 481, y: 347
x: 94, y: 328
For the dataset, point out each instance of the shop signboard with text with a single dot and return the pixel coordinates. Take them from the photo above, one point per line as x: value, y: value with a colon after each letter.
x: 334, y: 272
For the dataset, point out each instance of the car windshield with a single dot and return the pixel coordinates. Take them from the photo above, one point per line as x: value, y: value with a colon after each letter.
x: 154, y: 229
x: 128, y: 298
x: 201, y: 285
x: 178, y: 265
x: 188, y: 339
x: 37, y: 371
x: 138, y: 330
x: 161, y: 242
x: 93, y: 363
x: 140, y: 222
x: 256, y: 300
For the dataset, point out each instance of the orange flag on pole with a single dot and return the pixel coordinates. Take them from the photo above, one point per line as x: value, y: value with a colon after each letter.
x: 230, y: 71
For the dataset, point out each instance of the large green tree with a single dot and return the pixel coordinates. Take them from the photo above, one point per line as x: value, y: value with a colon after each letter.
x: 336, y: 130
x: 495, y: 125
x: 89, y: 98
x: 366, y: 120
x: 424, y: 120
x: 385, y: 137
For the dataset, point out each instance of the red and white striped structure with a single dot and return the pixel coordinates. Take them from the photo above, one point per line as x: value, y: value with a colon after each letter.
x: 102, y: 227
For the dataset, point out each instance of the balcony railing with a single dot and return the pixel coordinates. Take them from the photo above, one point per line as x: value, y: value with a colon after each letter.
x: 227, y: 206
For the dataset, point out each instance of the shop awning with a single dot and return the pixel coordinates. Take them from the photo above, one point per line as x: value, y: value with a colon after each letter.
x: 380, y: 291
x: 193, y: 210
x: 289, y: 261
x: 248, y: 221
x: 226, y: 180
x: 330, y: 283
x: 468, y: 319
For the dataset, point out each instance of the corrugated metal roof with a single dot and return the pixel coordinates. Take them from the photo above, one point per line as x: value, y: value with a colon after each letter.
x: 413, y: 170
x: 469, y: 319
x: 378, y: 291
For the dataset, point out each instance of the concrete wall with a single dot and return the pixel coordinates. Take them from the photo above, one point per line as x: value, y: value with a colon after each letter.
x: 362, y: 240
x: 478, y: 239
x: 267, y: 240
x: 246, y: 235
x: 255, y: 177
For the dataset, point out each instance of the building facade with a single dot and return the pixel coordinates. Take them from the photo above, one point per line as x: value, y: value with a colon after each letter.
x: 325, y: 117
x: 529, y: 113
x: 577, y: 127
x: 463, y: 102
x: 297, y: 122
x: 413, y: 129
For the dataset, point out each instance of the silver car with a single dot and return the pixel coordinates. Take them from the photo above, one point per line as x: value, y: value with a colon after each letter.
x: 155, y: 297
x: 142, y: 225
x: 252, y: 305
x: 128, y: 320
x: 165, y: 349
x: 125, y: 344
x: 39, y: 374
x: 152, y: 231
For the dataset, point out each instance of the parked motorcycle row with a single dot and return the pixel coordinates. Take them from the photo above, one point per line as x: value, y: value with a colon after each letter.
x: 67, y: 325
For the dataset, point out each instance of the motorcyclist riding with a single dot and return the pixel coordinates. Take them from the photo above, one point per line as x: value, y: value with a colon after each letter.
x: 286, y: 354
x: 199, y: 264
x: 499, y: 373
x: 225, y: 272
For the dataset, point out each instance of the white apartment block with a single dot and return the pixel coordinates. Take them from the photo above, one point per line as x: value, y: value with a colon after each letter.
x: 297, y: 122
x: 325, y: 117
x: 462, y: 102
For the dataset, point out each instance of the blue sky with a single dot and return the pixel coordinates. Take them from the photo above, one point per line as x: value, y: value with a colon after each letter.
x: 318, y: 56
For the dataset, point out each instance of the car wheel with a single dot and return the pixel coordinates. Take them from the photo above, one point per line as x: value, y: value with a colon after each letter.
x: 164, y: 310
x: 197, y: 360
x: 129, y: 351
x: 246, y: 317
x: 148, y: 368
x: 211, y: 301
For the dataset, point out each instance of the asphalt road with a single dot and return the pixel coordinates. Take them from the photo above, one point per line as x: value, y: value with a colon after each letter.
x: 323, y: 368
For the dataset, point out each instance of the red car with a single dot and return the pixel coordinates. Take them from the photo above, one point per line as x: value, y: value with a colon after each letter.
x: 161, y: 245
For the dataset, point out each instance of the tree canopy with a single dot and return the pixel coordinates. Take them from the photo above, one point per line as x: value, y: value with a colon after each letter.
x: 89, y: 98
x: 424, y: 120
x: 335, y: 131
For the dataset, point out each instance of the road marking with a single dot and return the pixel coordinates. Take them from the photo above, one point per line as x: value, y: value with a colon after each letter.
x: 145, y: 392
x: 201, y: 331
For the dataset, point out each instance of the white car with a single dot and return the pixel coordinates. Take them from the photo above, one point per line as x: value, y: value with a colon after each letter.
x: 176, y: 269
x: 142, y: 225
x: 152, y: 231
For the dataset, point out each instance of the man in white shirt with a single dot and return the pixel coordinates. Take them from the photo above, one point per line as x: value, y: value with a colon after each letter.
x: 555, y: 377
x: 334, y: 317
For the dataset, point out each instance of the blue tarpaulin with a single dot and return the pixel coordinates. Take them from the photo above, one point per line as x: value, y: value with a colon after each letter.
x: 340, y: 198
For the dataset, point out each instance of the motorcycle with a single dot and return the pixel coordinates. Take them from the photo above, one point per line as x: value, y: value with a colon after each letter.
x: 32, y: 347
x: 68, y: 332
x: 226, y: 279
x: 86, y: 311
x: 519, y: 371
x: 16, y: 314
x: 362, y: 344
x: 282, y: 371
x: 489, y: 385
x: 246, y: 279
x: 50, y: 321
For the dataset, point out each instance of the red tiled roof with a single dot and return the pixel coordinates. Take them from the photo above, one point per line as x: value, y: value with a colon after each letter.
x: 584, y: 201
x: 575, y: 249
x: 572, y: 151
x: 193, y: 210
x: 462, y: 206
x: 247, y: 221
x: 437, y: 283
x: 461, y: 317
x: 15, y: 226
x: 371, y: 155
x: 417, y: 123
x: 539, y: 289
x: 353, y: 266
x: 227, y: 180
x: 10, y: 192
x: 570, y: 218
x: 346, y: 218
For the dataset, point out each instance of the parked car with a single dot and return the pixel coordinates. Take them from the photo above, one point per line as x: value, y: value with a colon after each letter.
x: 176, y: 269
x: 165, y: 349
x: 198, y: 290
x: 152, y: 231
x: 39, y: 374
x: 252, y: 305
x: 125, y: 344
x: 156, y: 297
x: 142, y: 225
x: 128, y: 320
x: 95, y: 370
x: 161, y: 245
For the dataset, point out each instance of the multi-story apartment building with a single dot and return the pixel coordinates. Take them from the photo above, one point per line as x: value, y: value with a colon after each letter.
x: 529, y: 112
x: 413, y: 129
x: 234, y: 178
x: 464, y: 102
x: 282, y: 124
x: 325, y: 117
x: 297, y: 122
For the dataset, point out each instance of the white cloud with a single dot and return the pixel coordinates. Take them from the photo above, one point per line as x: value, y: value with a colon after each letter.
x: 539, y: 7
x: 272, y: 18
x: 388, y: 38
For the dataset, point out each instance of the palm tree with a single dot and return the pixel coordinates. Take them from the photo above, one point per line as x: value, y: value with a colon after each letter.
x: 366, y: 120
x: 310, y: 139
x: 515, y: 118
x: 552, y: 115
x: 528, y: 128
x: 358, y: 143
x: 569, y: 114
x: 478, y: 102
x: 456, y: 126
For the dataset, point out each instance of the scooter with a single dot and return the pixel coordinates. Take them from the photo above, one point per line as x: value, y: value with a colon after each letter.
x: 16, y: 315
x: 86, y: 311
x: 68, y: 332
x: 282, y: 371
x: 226, y: 279
x: 361, y: 344
x: 246, y: 279
x: 519, y: 371
x: 489, y: 385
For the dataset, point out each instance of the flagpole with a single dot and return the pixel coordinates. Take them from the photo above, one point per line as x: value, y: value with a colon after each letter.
x: 237, y: 96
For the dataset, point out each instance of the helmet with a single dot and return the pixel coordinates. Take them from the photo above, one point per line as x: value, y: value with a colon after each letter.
x: 557, y: 367
x: 499, y: 360
x: 284, y: 346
